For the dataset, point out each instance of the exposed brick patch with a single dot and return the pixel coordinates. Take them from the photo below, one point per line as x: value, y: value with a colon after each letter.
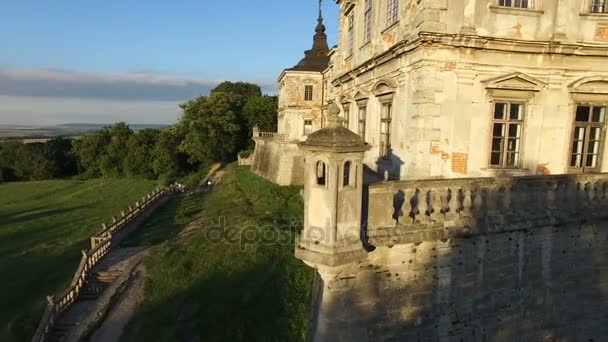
x: 435, y: 148
x: 542, y: 169
x: 448, y: 66
x: 460, y: 163
x: 517, y: 32
x: 601, y: 32
x: 445, y: 156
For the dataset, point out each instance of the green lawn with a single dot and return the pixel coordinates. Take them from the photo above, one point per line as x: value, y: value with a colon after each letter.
x: 217, y: 287
x: 43, y: 227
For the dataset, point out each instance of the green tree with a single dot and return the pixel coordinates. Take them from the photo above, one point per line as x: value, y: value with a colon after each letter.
x: 139, y: 157
x: 89, y: 150
x: 261, y: 111
x: 112, y: 163
x: 239, y: 88
x: 168, y: 161
x: 213, y: 127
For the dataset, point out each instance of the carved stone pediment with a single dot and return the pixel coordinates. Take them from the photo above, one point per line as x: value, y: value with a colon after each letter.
x: 515, y: 81
x: 590, y: 85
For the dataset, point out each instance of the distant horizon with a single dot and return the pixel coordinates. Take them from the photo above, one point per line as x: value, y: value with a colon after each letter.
x: 115, y: 61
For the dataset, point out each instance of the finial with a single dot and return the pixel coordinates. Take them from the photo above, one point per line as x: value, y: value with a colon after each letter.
x: 333, y: 118
x: 320, y: 12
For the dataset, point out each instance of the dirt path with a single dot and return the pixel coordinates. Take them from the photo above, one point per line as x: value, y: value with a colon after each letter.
x: 124, y: 309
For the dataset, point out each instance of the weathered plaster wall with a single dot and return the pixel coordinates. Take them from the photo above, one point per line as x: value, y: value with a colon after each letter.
x: 278, y: 161
x: 541, y: 284
x: 294, y: 108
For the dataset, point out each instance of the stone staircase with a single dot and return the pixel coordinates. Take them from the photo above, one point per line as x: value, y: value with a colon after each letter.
x: 103, y: 276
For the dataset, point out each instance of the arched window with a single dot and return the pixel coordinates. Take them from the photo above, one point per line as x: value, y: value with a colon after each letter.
x: 346, y: 175
x: 321, y: 173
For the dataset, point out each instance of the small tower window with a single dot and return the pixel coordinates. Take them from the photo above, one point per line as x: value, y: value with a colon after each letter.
x: 321, y: 173
x: 346, y: 177
x: 308, y: 93
x: 307, y: 127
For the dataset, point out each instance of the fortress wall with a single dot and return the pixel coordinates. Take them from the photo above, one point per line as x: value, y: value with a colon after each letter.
x: 278, y: 161
x: 541, y: 284
x: 514, y: 259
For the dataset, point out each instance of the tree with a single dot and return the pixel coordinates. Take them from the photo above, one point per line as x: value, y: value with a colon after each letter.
x: 139, y: 157
x: 261, y: 111
x: 112, y: 163
x: 168, y: 162
x: 239, y: 88
x: 59, y: 151
x: 213, y: 128
x: 89, y: 150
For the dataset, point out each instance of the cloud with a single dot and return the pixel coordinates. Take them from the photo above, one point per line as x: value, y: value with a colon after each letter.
x: 25, y: 110
x: 53, y: 96
x: 75, y: 84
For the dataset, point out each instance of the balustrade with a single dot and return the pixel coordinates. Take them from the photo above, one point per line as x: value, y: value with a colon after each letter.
x: 486, y: 201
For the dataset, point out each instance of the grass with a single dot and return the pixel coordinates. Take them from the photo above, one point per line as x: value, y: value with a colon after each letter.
x: 43, y: 227
x: 208, y: 283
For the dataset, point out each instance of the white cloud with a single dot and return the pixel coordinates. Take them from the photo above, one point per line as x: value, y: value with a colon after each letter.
x: 22, y: 110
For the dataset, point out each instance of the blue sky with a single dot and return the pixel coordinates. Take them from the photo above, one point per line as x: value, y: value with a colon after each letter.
x: 103, y: 61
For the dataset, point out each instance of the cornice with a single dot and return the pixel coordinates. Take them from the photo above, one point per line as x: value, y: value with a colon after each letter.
x: 473, y: 42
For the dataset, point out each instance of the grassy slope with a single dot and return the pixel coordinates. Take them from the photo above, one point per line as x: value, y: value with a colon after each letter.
x: 43, y: 226
x: 256, y: 293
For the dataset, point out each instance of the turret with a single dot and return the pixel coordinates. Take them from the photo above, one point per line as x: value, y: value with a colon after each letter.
x: 333, y: 189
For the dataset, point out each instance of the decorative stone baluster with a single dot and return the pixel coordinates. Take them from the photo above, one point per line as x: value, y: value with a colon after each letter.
x: 467, y: 203
x: 437, y: 207
x: 414, y: 203
x: 451, y: 204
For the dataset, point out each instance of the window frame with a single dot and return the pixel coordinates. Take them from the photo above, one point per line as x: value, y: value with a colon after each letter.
x: 304, y: 127
x: 507, y: 121
x: 308, y: 95
x: 368, y: 20
x: 320, y: 180
x: 346, y: 114
x: 361, y: 122
x: 392, y: 12
x: 350, y: 33
x: 588, y: 125
x: 511, y: 4
x: 386, y: 150
x: 598, y: 6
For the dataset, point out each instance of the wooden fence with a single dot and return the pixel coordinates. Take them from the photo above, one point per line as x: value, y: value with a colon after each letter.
x: 101, y: 244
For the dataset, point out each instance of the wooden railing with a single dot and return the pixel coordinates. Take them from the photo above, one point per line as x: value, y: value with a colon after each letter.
x: 414, y: 210
x: 101, y: 244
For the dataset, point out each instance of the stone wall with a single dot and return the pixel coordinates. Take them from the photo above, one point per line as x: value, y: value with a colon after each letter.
x: 508, y: 259
x: 278, y: 161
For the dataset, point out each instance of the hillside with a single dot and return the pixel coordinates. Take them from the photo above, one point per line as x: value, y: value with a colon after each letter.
x: 230, y: 274
x: 43, y: 226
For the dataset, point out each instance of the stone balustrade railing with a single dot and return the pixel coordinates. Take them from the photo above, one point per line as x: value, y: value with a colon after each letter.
x: 412, y: 211
x: 100, y: 246
x: 270, y: 135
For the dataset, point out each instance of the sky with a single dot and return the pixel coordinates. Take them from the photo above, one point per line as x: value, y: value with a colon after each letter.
x: 102, y: 61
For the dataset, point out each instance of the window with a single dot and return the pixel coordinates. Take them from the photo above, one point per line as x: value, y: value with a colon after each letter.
x: 515, y: 3
x: 362, y: 118
x: 351, y: 34
x: 392, y: 12
x: 367, y: 33
x: 587, y: 137
x: 346, y: 122
x: 385, y: 129
x: 307, y: 127
x: 307, y: 93
x: 507, y: 129
x: 320, y: 173
x: 346, y: 174
x: 599, y: 6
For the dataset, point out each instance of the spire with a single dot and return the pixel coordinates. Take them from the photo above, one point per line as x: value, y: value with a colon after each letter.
x: 316, y: 59
x: 320, y: 27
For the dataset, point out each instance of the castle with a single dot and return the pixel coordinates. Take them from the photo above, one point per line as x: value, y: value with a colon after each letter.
x: 452, y: 155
